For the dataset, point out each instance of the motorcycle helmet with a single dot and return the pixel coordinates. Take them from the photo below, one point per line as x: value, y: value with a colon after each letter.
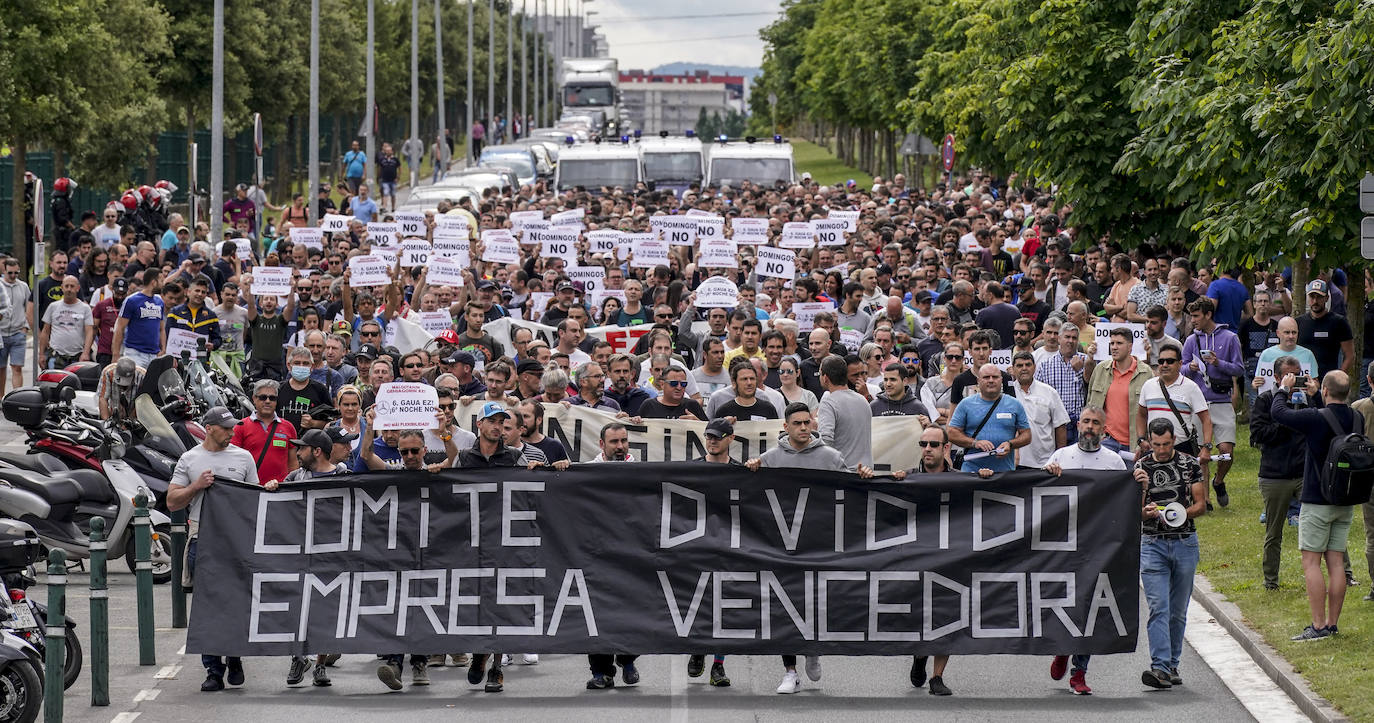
x: 145, y: 194
x: 167, y: 186
x: 129, y: 201
x: 448, y: 336
x: 63, y: 186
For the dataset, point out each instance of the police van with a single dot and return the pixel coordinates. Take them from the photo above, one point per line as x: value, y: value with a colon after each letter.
x: 673, y: 163
x: 763, y: 164
x: 596, y: 165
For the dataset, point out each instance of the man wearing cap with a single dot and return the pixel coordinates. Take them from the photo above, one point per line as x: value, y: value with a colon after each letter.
x: 528, y: 374
x: 490, y: 451
x: 196, y: 470
x: 469, y: 384
x: 265, y: 435
x: 104, y: 315
x: 1326, y: 333
x: 118, y: 386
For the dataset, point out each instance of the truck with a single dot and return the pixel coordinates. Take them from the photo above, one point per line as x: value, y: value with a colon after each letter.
x: 673, y: 164
x: 591, y: 87
x: 597, y: 165
x: 763, y: 164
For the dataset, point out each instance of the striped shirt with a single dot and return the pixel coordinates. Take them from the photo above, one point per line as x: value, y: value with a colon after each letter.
x: 1069, y: 382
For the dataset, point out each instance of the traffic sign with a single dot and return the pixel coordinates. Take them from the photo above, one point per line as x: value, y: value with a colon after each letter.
x: 257, y: 134
x: 1367, y: 237
x: 1367, y: 193
x: 948, y: 152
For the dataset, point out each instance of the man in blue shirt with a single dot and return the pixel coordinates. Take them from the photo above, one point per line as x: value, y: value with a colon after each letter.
x: 138, y: 330
x: 996, y: 425
x: 1231, y: 297
x: 363, y: 207
x: 355, y: 164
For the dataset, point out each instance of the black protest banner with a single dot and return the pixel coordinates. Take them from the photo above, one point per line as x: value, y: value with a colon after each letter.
x: 670, y: 558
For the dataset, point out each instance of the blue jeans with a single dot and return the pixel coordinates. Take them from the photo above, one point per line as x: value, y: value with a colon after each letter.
x: 1251, y: 369
x: 12, y: 346
x: 215, y: 665
x: 1166, y: 572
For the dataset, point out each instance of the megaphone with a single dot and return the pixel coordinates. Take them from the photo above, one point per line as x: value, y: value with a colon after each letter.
x: 1173, y: 514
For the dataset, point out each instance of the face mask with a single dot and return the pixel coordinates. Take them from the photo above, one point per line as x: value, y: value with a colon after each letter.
x: 1089, y: 442
x: 300, y: 374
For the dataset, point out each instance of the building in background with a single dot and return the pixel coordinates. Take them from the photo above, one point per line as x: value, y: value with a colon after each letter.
x: 657, y: 102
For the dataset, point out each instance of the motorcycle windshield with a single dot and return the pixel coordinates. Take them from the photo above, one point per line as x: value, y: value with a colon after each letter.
x: 202, y: 386
x: 158, y: 427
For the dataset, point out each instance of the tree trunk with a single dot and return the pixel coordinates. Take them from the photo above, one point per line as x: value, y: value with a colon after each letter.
x: 1354, y: 309
x: 59, y: 163
x: 231, y: 166
x: 1301, y: 273
x: 335, y: 150
x: 18, y: 231
x: 150, y: 176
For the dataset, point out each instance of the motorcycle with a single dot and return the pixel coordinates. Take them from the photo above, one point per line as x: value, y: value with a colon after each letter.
x: 21, y: 681
x: 20, y: 614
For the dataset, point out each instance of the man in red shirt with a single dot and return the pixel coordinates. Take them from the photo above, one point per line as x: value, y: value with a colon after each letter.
x: 106, y: 313
x: 267, y: 436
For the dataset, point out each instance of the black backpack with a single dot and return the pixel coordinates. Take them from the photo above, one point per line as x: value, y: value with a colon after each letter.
x: 1347, y: 477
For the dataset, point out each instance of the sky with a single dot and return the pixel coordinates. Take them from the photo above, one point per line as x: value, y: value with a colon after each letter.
x: 646, y: 33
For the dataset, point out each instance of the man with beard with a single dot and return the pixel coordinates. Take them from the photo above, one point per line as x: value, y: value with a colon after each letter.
x: 1088, y: 453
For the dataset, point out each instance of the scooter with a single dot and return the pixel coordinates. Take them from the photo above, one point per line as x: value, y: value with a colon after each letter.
x: 20, y: 614
x: 21, y: 684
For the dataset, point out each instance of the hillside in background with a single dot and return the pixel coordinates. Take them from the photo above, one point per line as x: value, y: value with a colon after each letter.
x: 686, y: 67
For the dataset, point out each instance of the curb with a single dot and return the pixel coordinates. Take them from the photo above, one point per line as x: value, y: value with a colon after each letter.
x: 1274, y: 665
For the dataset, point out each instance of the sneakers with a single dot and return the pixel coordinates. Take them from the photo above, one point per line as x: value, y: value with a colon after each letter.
x: 601, y: 682
x: 1310, y: 633
x: 419, y: 673
x: 437, y: 660
x: 1156, y: 678
x: 718, y: 677
x: 1292, y: 520
x: 321, y: 677
x: 529, y: 659
x: 791, y: 683
x: 696, y: 665
x: 1350, y: 580
x: 1223, y: 499
x: 235, y: 676
x: 296, y: 673
x: 629, y: 673
x: 1174, y: 677
x: 813, y: 667
x: 506, y: 659
x: 212, y: 683
x: 390, y: 674
x: 496, y: 681
x: 938, y: 687
x: 918, y: 671
x: 1271, y: 585
x: 1369, y: 596
x: 1059, y: 667
x: 459, y: 659
x: 1332, y: 630
x: 476, y: 669
x: 1264, y: 517
x: 1078, y: 683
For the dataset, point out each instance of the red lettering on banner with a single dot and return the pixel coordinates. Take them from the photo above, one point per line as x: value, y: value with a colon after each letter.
x: 623, y: 340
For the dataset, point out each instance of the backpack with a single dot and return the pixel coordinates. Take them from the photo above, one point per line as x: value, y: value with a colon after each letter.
x: 1347, y: 477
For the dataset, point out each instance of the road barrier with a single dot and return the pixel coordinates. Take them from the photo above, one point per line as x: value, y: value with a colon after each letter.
x: 100, y: 616
x: 143, y: 571
x: 53, y: 662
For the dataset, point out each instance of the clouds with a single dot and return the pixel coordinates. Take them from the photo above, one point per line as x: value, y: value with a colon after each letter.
x: 720, y: 32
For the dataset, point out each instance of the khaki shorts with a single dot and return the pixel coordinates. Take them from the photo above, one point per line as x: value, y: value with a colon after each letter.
x: 1324, y: 527
x: 1223, y: 422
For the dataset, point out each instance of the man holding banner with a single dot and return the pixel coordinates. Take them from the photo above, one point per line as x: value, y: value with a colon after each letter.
x: 615, y: 447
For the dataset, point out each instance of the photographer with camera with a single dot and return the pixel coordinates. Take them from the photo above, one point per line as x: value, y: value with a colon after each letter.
x: 1212, y: 359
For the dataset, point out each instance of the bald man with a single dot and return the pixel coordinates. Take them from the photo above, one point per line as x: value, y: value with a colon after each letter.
x: 68, y: 328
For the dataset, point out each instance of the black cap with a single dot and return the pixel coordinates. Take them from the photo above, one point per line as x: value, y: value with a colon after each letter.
x: 219, y: 416
x: 315, y: 438
x: 922, y: 296
x: 884, y: 269
x: 195, y: 258
x: 367, y: 350
x: 485, y: 284
x: 323, y: 413
x: 120, y: 284
x: 530, y: 366
x: 338, y: 436
x: 720, y: 427
x: 566, y: 286
x: 461, y: 357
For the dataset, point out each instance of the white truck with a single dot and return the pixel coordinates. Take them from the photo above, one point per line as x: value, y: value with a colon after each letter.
x: 673, y: 164
x: 591, y: 86
x: 763, y: 164
x: 597, y: 165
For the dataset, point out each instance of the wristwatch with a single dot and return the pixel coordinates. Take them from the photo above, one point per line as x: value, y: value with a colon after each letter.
x: 1207, y: 445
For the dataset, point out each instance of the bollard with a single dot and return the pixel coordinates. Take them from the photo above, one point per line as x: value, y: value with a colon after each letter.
x: 178, y: 552
x: 56, y: 645
x: 100, y: 617
x: 143, y: 571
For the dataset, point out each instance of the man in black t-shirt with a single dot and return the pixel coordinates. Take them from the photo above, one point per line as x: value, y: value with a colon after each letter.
x: 1324, y: 332
x: 388, y: 166
x: 673, y: 404
x: 300, y: 393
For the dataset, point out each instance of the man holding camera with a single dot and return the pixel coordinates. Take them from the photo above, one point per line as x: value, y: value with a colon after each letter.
x: 1212, y: 359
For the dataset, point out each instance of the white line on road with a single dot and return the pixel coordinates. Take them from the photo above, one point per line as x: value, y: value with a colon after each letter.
x: 677, y: 691
x: 147, y: 694
x: 168, y: 672
x: 182, y: 649
x: 1255, y: 690
x: 125, y: 717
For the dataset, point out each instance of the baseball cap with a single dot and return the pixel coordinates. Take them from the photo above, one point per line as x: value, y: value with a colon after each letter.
x: 367, y: 350
x: 529, y: 366
x: 806, y: 175
x: 343, y: 328
x: 124, y: 371
x: 120, y: 284
x: 338, y: 436
x: 315, y: 438
x: 485, y: 284
x: 884, y: 269
x: 184, y: 229
x: 219, y: 416
x: 1317, y: 286
x: 493, y: 409
x: 720, y: 427
x: 195, y: 258
x: 323, y: 413
x: 566, y: 286
x: 922, y: 297
x: 461, y: 357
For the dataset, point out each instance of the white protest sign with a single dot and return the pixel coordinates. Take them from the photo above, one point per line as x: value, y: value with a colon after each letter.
x: 592, y: 277
x: 311, y: 238
x: 559, y: 244
x: 539, y: 303
x: 676, y: 230
x: 1104, y: 329
x: 841, y: 269
x: 718, y: 254
x: 625, y: 245
x: 850, y: 218
x: 530, y: 228
x: 388, y: 253
x: 518, y: 219
x: 852, y: 339
x: 749, y: 230
x: 415, y: 252
x: 600, y: 295
x: 179, y: 340
x: 406, y: 405
x: 571, y: 216
x: 649, y: 253
x: 373, y: 270
x: 451, y: 222
x: 1001, y: 358
x: 796, y: 235
x: 829, y: 232
x: 410, y: 223
x: 777, y: 263
x: 806, y: 313
x: 698, y: 213
x: 497, y: 234
x: 501, y: 252
x: 383, y: 233
x: 717, y: 292
x: 243, y: 248
x: 271, y: 281
x: 710, y: 227
x: 456, y: 250
x: 445, y: 271
x: 1265, y: 372
x: 603, y: 240
x: 436, y: 322
x: 334, y: 223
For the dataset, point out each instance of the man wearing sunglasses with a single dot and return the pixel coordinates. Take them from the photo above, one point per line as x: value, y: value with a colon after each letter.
x: 1179, y: 400
x: 674, y: 402
x: 265, y: 435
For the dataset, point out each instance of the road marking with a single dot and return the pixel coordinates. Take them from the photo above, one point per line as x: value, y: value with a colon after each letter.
x: 1255, y: 690
x: 147, y: 694
x: 125, y: 717
x: 168, y: 672
x: 182, y: 649
x: 677, y: 690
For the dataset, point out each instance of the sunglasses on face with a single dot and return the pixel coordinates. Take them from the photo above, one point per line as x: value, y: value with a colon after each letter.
x: 415, y: 366
x: 412, y: 450
x: 1171, y: 360
x: 954, y: 356
x: 265, y: 398
x: 678, y: 384
x: 930, y: 445
x: 369, y: 333
x: 910, y: 360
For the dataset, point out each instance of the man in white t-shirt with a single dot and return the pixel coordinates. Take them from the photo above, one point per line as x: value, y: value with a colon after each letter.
x: 1087, y: 453
x: 1178, y: 399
